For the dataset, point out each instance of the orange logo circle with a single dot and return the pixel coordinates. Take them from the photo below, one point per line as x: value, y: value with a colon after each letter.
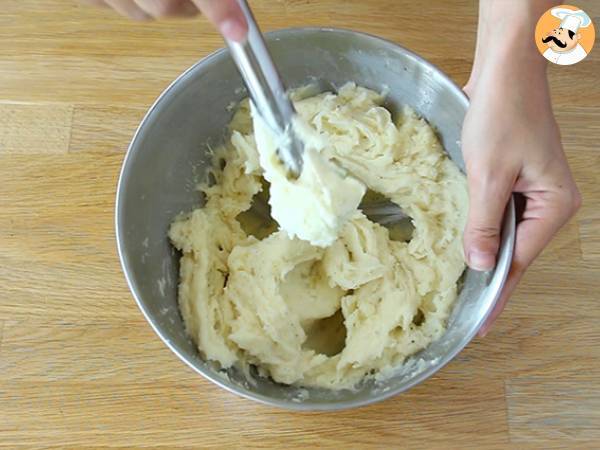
x: 565, y: 35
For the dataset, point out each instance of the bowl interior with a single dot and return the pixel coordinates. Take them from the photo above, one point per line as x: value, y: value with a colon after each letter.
x: 168, y: 157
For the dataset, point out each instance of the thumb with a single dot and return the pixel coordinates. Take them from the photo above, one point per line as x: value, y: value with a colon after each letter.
x: 227, y: 16
x: 488, y: 196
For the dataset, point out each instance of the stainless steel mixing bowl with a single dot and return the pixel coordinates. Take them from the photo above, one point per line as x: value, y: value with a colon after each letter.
x: 168, y: 155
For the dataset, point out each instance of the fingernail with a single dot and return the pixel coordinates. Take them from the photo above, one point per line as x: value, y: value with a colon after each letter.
x: 481, y: 260
x: 482, y: 333
x: 233, y: 29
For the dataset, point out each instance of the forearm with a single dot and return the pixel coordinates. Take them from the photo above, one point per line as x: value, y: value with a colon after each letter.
x: 505, y: 37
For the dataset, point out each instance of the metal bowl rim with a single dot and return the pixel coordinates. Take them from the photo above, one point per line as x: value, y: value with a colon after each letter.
x: 499, y: 276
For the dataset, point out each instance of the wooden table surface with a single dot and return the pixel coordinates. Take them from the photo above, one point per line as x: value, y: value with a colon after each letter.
x: 79, y: 365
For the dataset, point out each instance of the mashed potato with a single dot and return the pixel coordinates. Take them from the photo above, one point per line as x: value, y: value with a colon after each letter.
x: 325, y: 316
x: 318, y: 204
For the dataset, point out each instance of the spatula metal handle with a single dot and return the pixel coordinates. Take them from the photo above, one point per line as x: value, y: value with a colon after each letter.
x: 266, y: 88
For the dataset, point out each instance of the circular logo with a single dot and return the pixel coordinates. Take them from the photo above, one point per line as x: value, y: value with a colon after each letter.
x: 565, y: 35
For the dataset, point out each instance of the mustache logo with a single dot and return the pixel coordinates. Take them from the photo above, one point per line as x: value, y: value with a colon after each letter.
x: 555, y: 40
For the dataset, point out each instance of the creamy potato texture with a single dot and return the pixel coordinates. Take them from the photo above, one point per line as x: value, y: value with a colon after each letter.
x: 315, y: 206
x: 325, y: 315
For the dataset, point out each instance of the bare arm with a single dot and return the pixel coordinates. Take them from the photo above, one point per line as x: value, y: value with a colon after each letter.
x: 511, y: 142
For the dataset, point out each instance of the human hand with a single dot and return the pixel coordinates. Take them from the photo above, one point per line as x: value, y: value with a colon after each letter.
x: 511, y: 143
x: 226, y: 15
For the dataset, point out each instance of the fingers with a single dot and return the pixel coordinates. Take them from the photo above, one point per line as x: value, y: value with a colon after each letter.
x: 469, y: 87
x: 148, y: 9
x: 128, y: 8
x: 168, y: 8
x: 545, y: 213
x: 226, y: 15
x: 100, y: 3
x: 489, y: 191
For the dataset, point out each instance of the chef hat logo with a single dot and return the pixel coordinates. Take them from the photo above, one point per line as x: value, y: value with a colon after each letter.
x: 571, y: 20
x: 565, y: 35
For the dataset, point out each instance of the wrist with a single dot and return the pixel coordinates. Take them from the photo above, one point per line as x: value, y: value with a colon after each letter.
x: 505, y: 38
x: 515, y: 53
x: 521, y: 88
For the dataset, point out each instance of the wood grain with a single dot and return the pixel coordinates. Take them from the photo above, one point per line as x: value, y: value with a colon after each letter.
x: 102, y: 128
x: 34, y: 128
x: 80, y: 367
x: 543, y: 407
